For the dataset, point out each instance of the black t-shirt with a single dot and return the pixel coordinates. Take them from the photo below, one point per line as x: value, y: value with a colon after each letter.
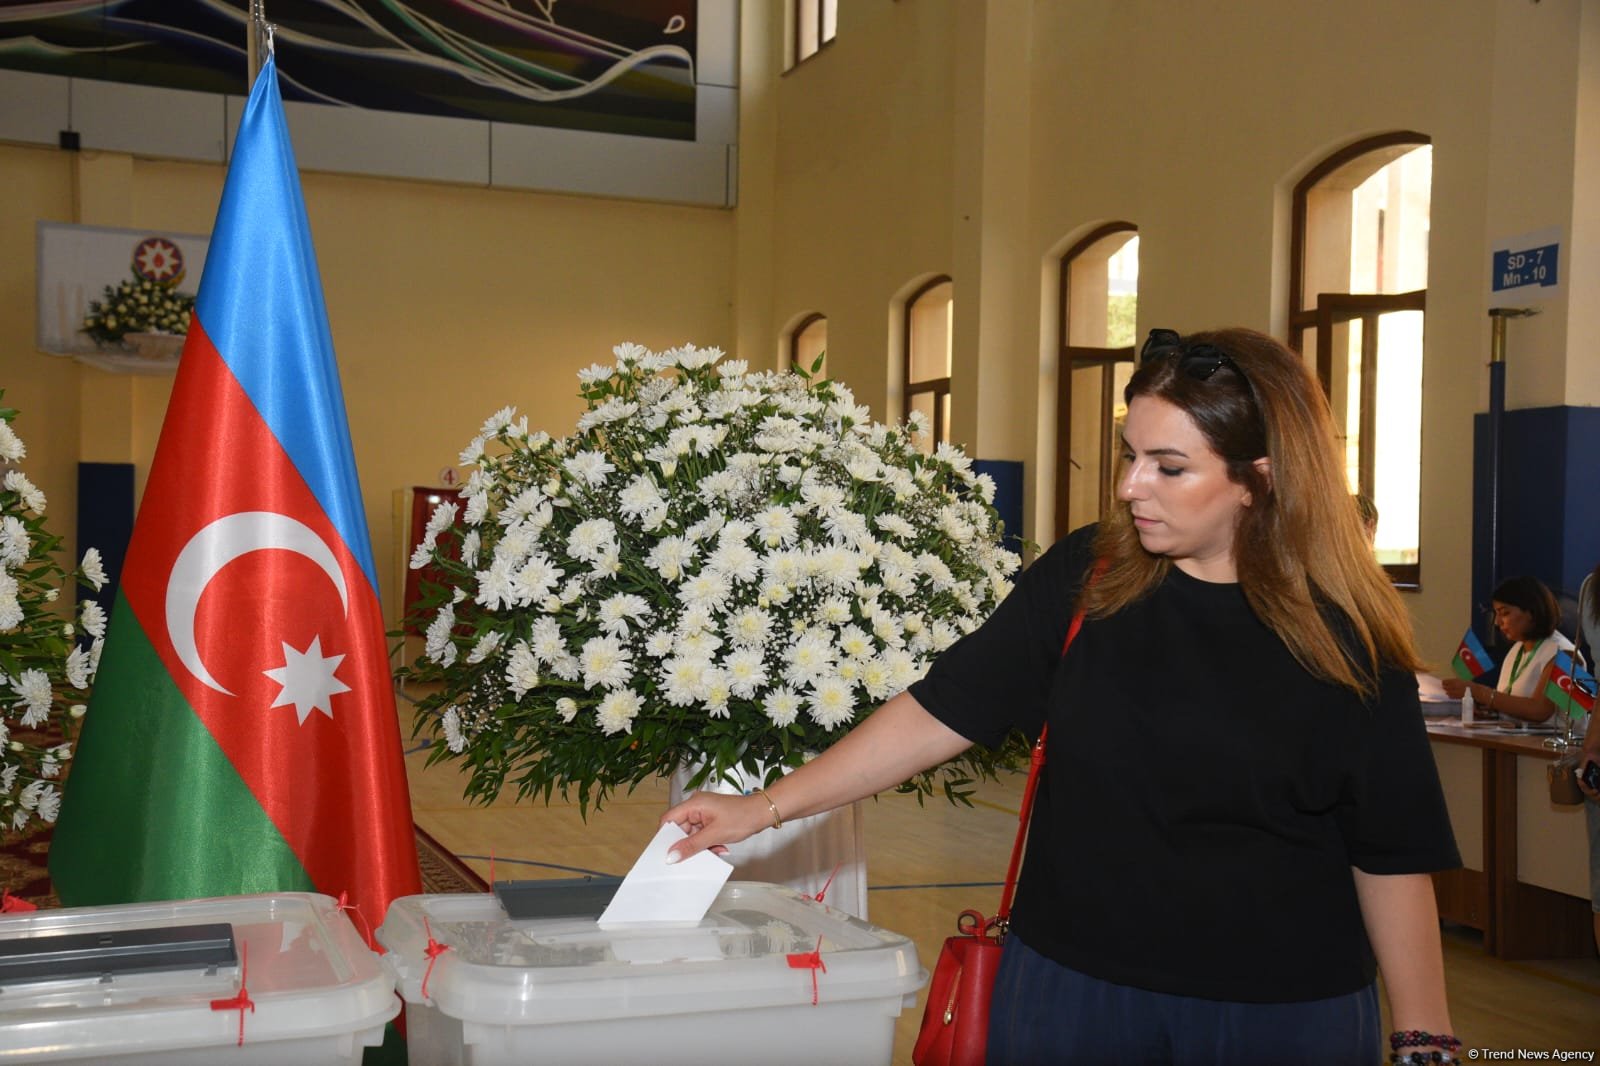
x: 1203, y: 796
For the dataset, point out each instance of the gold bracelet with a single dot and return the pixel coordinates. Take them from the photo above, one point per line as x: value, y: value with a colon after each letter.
x: 777, y: 820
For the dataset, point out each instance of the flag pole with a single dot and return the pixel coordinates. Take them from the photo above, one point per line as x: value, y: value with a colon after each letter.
x: 258, y: 43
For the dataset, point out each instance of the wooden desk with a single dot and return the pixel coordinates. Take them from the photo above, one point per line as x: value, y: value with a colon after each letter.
x: 1525, y: 876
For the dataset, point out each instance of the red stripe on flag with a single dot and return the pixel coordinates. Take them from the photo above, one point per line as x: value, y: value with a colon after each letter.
x: 332, y: 783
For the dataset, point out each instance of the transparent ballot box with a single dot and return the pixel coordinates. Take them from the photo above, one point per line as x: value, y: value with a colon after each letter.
x: 151, y: 983
x: 748, y: 983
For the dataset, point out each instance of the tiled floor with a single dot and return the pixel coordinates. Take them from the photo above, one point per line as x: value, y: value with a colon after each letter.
x: 927, y: 864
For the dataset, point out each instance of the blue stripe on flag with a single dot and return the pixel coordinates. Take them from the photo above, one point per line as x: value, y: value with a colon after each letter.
x: 260, y: 300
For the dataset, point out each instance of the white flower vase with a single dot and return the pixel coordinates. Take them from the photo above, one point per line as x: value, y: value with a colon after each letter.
x: 803, y: 853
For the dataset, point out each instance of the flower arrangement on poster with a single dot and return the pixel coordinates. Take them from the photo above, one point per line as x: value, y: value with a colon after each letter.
x: 45, y: 670
x: 719, y: 569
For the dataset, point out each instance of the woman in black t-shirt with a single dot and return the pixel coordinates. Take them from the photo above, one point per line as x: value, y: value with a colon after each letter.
x: 1239, y: 812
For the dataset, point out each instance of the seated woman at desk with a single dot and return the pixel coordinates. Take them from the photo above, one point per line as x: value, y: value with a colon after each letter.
x: 1525, y: 612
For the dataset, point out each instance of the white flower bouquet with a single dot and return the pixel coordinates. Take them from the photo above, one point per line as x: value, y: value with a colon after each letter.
x: 45, y: 670
x: 719, y: 569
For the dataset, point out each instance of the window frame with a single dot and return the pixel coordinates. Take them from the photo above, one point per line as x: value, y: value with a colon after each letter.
x: 939, y: 387
x: 1071, y: 357
x: 799, y: 24
x: 794, y: 341
x: 1331, y: 309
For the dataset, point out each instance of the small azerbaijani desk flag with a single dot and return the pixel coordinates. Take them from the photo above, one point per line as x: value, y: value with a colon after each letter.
x: 243, y: 735
x: 1472, y: 658
x: 1571, y: 686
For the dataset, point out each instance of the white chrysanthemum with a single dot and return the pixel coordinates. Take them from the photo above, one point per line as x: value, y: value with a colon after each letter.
x: 94, y: 571
x: 937, y: 571
x: 48, y: 767
x: 477, y: 509
x: 78, y: 675
x: 32, y: 498
x: 698, y: 643
x: 486, y: 646
x: 734, y: 368
x: 708, y: 589
x: 8, y: 775
x: 522, y: 669
x: 778, y: 434
x: 49, y: 803
x: 616, y: 612
x: 421, y: 555
x: 681, y: 679
x: 10, y: 609
x: 592, y: 540
x: 749, y: 627
x: 497, y: 421
x: 92, y: 617
x: 887, y: 628
x: 790, y: 475
x: 820, y: 496
x: 736, y: 560
x: 614, y: 409
x: 14, y: 540
x: 949, y: 453
x: 567, y: 708
x: 439, y: 648
x: 11, y: 447
x: 782, y: 707
x: 450, y: 722
x: 955, y: 525
x: 594, y: 374
x: 836, y: 566
x: 876, y: 676
x: 715, y: 692
x: 895, y: 526
x: 33, y: 690
x: 617, y: 711
x: 566, y: 667
x: 528, y: 507
x: 746, y: 671
x: 471, y: 544
x: 854, y: 643
x: 471, y: 453
x: 985, y: 486
x: 659, y: 645
x: 536, y: 580
x: 589, y: 467
x: 777, y: 526
x: 830, y: 704
x: 606, y: 663
x: 917, y: 424
x: 641, y: 501
x: 628, y: 353
x: 809, y: 658
x: 835, y: 610
x: 546, y: 640
x: 670, y: 556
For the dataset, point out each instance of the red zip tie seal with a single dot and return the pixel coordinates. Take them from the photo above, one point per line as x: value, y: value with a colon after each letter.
x: 823, y: 891
x: 810, y: 960
x: 364, y: 929
x: 433, y: 951
x: 242, y: 1002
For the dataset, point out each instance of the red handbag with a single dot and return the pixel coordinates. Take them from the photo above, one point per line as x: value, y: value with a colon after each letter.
x: 955, y: 1022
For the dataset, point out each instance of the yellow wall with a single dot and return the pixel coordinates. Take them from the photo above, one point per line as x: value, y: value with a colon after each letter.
x: 982, y: 139
x: 446, y: 303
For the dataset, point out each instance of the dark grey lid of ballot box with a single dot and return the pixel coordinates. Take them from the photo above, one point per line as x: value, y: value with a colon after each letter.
x: 561, y: 897
x: 115, y: 952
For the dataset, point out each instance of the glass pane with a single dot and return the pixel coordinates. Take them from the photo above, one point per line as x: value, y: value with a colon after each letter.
x: 1103, y: 290
x: 1367, y: 225
x: 944, y: 411
x: 810, y: 344
x: 830, y: 19
x: 1397, y: 481
x: 1347, y: 346
x: 923, y: 401
x: 930, y: 333
x: 1089, y: 439
x: 805, y: 17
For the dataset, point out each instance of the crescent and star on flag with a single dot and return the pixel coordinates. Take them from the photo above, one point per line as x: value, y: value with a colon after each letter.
x: 307, y: 677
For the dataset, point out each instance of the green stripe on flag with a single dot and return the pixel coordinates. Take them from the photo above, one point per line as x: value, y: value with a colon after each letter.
x: 152, y: 808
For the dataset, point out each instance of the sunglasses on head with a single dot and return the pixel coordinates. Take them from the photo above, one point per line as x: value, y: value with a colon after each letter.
x: 1199, y: 361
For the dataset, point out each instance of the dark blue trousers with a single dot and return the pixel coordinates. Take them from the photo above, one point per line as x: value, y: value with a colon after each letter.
x: 1044, y: 1014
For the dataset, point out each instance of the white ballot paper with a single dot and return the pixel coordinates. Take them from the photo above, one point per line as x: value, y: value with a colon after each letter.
x: 655, y: 893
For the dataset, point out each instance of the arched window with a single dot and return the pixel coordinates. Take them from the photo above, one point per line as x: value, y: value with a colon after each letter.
x: 808, y: 346
x: 1359, y: 296
x: 928, y: 333
x: 1099, y: 298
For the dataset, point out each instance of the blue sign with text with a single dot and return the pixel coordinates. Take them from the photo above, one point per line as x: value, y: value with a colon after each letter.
x: 1530, y: 266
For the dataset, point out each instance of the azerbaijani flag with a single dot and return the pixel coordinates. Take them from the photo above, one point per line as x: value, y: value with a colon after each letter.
x: 242, y: 736
x: 1472, y: 658
x: 1570, y: 685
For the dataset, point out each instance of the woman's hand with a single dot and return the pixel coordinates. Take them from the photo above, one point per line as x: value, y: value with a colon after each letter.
x: 714, y: 820
x: 1454, y: 687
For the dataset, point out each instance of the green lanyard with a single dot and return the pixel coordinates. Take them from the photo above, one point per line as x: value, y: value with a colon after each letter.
x: 1517, y: 664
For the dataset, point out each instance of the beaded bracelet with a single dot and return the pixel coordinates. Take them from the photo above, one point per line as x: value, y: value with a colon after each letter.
x: 1421, y: 1058
x: 1418, y: 1038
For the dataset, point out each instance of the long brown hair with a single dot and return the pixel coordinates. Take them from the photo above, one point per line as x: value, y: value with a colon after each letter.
x: 1301, y: 555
